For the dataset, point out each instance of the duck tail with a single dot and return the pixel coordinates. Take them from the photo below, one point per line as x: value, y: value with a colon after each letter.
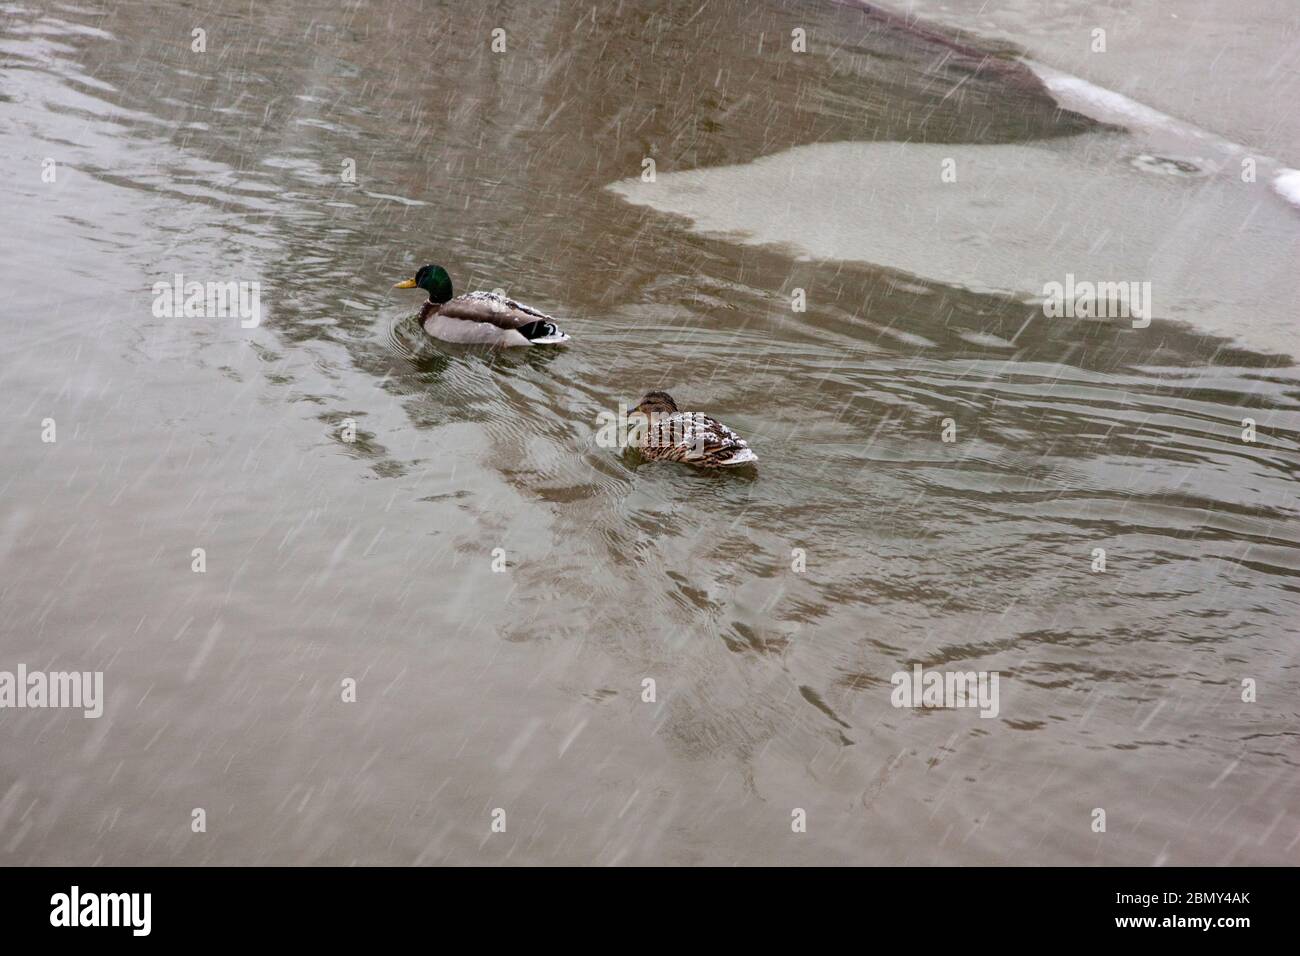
x: 542, y: 332
x: 742, y: 457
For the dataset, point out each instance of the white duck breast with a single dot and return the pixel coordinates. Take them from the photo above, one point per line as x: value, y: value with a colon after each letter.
x: 471, y: 333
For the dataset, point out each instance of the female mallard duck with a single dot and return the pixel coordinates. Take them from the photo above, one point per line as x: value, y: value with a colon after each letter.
x: 672, y: 435
x: 482, y: 318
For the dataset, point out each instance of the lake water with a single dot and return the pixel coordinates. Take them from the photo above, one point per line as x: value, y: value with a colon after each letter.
x: 499, y: 586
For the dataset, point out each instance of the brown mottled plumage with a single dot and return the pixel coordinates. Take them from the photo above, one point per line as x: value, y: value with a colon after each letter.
x: 668, y: 434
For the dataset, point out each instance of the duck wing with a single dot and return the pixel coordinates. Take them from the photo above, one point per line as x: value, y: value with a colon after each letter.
x: 492, y: 308
x: 700, y: 439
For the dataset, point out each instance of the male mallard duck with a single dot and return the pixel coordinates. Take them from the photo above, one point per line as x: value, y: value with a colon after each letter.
x: 673, y: 435
x: 483, y: 318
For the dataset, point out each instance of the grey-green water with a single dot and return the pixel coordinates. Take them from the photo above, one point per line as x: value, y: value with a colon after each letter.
x: 329, y: 560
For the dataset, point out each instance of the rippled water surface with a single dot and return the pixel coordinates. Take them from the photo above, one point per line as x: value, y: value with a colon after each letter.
x: 522, y: 689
